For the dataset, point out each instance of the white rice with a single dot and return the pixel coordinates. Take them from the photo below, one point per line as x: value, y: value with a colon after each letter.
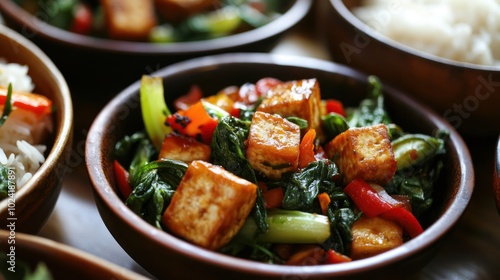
x: 23, y: 129
x: 460, y: 30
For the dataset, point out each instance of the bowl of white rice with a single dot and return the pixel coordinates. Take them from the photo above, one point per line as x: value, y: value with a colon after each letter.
x: 36, y: 119
x: 446, y: 53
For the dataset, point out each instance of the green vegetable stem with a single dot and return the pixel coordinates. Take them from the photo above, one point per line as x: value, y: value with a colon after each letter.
x: 290, y: 226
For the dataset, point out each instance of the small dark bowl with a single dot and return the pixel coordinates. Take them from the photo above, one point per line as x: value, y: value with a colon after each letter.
x: 81, y: 57
x: 464, y: 94
x: 166, y: 256
x: 35, y: 201
x: 62, y: 261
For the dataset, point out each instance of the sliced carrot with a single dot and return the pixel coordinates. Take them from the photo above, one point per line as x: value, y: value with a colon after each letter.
x: 306, y: 151
x: 273, y: 197
x: 324, y: 201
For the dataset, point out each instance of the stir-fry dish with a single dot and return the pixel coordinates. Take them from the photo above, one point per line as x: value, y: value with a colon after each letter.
x: 159, y: 21
x: 271, y: 171
x: 25, y: 123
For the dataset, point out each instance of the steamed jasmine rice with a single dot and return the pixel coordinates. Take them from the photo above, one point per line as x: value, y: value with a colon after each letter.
x: 23, y: 129
x: 460, y: 30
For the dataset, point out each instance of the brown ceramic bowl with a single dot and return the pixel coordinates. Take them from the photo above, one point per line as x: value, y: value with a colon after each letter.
x: 62, y: 261
x: 106, y: 59
x: 464, y: 94
x: 35, y: 201
x: 168, y: 257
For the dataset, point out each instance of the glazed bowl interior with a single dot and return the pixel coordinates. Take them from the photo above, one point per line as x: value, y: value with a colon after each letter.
x: 129, y: 59
x: 464, y: 94
x: 35, y: 201
x: 122, y: 116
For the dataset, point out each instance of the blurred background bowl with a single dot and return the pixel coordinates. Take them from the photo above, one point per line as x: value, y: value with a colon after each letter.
x: 35, y: 201
x: 166, y: 256
x: 104, y: 59
x: 464, y: 94
x: 62, y: 261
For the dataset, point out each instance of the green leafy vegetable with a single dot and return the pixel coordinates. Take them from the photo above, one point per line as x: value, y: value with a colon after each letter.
x: 302, y: 188
x: 420, y: 163
x: 8, y: 106
x: 228, y: 151
x: 289, y: 226
x: 334, y: 124
x: 153, y: 186
x: 154, y: 109
x: 4, y: 181
x: 371, y: 110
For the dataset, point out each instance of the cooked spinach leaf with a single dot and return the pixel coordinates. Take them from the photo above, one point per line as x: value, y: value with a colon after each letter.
x: 228, y: 151
x: 153, y: 185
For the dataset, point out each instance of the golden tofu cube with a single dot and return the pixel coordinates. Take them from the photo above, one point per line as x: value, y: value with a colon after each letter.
x: 129, y: 19
x: 273, y: 145
x: 210, y: 205
x: 365, y: 153
x: 372, y: 236
x: 184, y: 148
x: 300, y: 99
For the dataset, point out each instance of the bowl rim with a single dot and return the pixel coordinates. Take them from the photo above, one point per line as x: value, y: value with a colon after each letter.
x: 32, y: 26
x: 113, y: 203
x: 63, y: 131
x: 54, y: 248
x: 340, y: 7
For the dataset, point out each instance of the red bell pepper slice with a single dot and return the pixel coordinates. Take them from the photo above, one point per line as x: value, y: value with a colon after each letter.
x: 405, y: 219
x: 366, y: 198
x: 82, y: 21
x: 372, y: 204
x: 33, y: 102
x: 183, y: 102
x: 121, y: 177
x: 333, y: 257
x: 335, y: 106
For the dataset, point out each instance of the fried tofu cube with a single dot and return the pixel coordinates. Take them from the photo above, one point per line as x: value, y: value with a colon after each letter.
x: 372, y: 236
x: 365, y: 153
x: 184, y: 148
x: 273, y: 145
x: 300, y: 98
x: 210, y: 205
x: 129, y: 19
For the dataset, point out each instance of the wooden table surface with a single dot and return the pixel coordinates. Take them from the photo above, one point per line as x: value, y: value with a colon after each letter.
x: 471, y: 252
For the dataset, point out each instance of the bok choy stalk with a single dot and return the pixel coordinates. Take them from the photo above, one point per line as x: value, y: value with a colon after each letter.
x: 289, y: 226
x: 420, y: 162
x: 154, y: 109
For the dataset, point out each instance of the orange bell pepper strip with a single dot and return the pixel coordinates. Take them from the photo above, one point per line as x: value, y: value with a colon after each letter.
x: 324, y: 201
x: 273, y: 197
x: 33, y: 102
x: 193, y: 122
x: 306, y: 150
